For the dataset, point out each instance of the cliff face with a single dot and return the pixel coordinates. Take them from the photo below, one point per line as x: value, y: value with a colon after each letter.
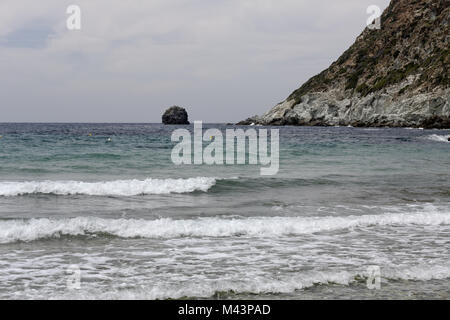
x: 395, y: 76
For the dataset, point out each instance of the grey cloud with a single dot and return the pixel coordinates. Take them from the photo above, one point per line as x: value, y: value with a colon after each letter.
x: 223, y: 60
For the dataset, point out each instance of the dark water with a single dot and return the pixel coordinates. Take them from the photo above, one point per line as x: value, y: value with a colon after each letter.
x: 105, y: 200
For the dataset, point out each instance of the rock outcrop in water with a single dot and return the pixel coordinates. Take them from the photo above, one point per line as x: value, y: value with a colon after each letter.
x: 175, y: 115
x: 397, y: 76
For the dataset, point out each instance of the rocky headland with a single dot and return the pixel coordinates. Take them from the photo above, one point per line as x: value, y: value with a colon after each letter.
x: 397, y: 76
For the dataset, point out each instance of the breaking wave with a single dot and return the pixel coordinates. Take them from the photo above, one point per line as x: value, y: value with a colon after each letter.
x: 263, y: 285
x: 166, y: 228
x: 107, y: 188
x: 438, y: 138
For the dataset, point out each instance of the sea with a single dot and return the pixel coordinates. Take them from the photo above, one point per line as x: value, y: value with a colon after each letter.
x: 100, y: 211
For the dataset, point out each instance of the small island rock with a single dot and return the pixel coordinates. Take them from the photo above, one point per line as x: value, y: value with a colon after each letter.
x: 175, y: 115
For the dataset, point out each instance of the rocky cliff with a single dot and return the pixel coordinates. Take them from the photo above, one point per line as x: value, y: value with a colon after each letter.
x: 395, y: 76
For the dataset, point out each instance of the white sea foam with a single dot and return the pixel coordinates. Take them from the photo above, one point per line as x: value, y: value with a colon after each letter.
x: 107, y: 188
x: 34, y: 229
x: 262, y: 284
x: 439, y: 138
x: 418, y: 273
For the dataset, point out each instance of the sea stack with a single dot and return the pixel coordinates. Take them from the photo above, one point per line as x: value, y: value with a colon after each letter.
x: 175, y: 115
x: 395, y: 76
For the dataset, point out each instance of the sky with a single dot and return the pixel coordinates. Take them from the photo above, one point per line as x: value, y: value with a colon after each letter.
x: 222, y: 60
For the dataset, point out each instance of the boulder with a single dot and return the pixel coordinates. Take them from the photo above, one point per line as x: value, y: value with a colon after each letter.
x: 249, y: 121
x: 175, y: 115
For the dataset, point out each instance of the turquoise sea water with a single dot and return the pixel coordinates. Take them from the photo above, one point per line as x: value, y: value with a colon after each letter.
x: 137, y: 226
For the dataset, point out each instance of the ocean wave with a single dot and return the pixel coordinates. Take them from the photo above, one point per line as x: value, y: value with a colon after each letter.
x: 438, y: 138
x: 166, y: 228
x: 261, y: 285
x: 107, y: 188
x: 250, y: 183
x: 153, y: 186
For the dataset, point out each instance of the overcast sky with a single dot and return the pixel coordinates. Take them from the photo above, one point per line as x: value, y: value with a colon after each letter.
x: 223, y: 60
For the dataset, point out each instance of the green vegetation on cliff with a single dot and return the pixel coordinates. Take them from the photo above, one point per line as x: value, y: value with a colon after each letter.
x: 412, y: 42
